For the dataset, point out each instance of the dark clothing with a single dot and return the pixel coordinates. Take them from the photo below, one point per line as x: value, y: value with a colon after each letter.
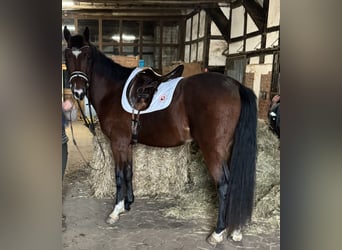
x: 64, y: 158
x: 274, y: 119
x: 65, y: 140
x: 67, y: 116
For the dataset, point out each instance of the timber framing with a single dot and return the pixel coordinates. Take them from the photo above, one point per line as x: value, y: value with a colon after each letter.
x: 222, y: 23
x: 257, y: 13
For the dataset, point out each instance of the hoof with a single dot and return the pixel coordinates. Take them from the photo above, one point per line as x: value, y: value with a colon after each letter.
x: 236, y: 235
x: 111, y: 220
x: 215, y: 238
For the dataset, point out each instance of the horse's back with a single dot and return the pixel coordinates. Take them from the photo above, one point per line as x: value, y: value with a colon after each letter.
x: 210, y: 92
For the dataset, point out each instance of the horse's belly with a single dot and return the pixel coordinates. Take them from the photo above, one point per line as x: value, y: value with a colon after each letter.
x: 165, y: 136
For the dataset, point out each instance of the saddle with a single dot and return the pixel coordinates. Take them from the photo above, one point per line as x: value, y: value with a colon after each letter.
x: 142, y: 87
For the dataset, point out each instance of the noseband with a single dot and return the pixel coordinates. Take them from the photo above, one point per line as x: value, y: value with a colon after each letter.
x: 79, y: 74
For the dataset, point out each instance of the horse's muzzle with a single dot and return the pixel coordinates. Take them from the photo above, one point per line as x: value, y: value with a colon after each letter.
x: 78, y: 94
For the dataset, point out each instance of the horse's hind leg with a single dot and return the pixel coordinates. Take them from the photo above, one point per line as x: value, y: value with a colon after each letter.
x: 223, y: 194
x: 222, y: 189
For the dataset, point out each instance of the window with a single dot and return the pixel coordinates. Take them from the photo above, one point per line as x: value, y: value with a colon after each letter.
x: 93, y: 26
x: 149, y: 34
x: 130, y: 32
x: 110, y: 31
x: 154, y: 41
x: 169, y: 55
x: 236, y: 68
x: 170, y: 32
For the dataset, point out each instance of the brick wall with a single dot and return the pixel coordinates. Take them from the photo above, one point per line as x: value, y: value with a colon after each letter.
x: 264, y: 104
x: 249, y: 78
x: 265, y: 86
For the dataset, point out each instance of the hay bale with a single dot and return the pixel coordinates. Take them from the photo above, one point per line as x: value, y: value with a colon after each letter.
x: 102, y: 175
x: 160, y: 171
x: 180, y: 174
x: 157, y: 172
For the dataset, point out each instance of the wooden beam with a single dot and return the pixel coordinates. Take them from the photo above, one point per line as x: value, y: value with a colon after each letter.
x: 258, y: 52
x: 257, y: 13
x: 220, y: 20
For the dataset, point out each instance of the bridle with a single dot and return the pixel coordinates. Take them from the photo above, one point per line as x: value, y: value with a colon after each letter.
x: 78, y: 73
x: 89, y: 124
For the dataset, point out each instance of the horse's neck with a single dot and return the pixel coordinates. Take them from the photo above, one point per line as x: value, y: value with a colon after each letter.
x: 101, y: 90
x: 107, y: 80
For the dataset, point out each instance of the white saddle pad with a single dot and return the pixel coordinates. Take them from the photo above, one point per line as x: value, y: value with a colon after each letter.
x: 161, y: 98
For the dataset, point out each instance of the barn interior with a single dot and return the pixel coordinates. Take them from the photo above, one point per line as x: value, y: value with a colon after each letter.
x: 238, y: 38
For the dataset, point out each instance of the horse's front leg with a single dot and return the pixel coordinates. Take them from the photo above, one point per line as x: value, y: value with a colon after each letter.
x: 122, y: 153
x: 120, y: 194
x: 128, y: 174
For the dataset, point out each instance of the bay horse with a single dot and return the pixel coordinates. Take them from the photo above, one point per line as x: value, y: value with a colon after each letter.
x: 215, y: 111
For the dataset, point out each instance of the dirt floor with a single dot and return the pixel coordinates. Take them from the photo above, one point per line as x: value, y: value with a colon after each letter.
x: 144, y: 227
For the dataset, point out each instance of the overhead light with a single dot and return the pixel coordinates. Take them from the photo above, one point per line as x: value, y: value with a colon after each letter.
x: 116, y: 38
x: 67, y: 3
x: 70, y: 27
x: 128, y: 37
x: 124, y: 37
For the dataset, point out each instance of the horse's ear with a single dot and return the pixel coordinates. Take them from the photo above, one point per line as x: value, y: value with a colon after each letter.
x: 86, y: 34
x: 66, y: 33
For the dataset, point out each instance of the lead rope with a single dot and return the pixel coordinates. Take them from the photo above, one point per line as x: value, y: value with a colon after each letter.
x: 74, y: 141
x: 93, y: 127
x: 92, y: 130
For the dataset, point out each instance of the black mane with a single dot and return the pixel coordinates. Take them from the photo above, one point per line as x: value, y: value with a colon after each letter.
x: 107, y: 67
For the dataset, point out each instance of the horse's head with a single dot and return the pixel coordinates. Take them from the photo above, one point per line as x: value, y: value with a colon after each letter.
x: 78, y: 62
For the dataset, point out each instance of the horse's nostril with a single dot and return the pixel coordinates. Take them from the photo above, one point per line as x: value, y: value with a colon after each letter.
x: 79, y: 93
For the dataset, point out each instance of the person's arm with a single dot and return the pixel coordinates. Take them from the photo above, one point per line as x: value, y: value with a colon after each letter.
x: 69, y: 109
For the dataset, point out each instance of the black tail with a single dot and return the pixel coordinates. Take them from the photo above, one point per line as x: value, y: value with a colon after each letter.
x: 242, y: 163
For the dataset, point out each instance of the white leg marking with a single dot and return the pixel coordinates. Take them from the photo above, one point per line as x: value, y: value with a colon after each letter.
x: 236, y: 235
x: 114, y: 216
x: 215, y: 238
